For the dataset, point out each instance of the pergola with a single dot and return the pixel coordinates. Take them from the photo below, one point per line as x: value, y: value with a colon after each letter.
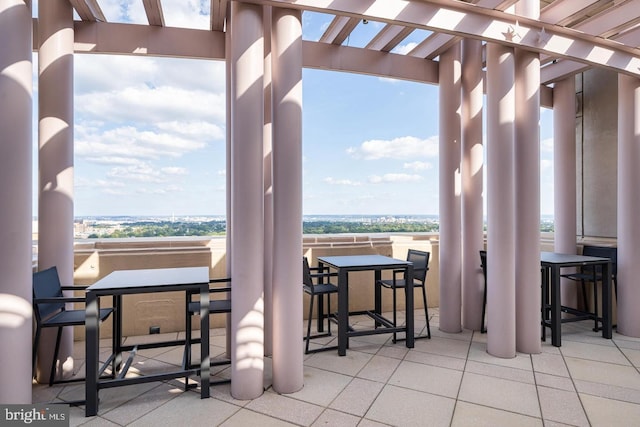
x: 522, y: 54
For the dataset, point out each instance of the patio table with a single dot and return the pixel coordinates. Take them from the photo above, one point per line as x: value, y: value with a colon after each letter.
x: 552, y: 263
x: 376, y: 263
x: 126, y: 282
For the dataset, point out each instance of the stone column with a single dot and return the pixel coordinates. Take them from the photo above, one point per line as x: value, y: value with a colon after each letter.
x: 501, y: 317
x: 564, y: 176
x: 450, y: 217
x: 628, y: 205
x: 16, y: 141
x: 247, y: 201
x: 287, y: 198
x: 472, y: 185
x: 527, y: 192
x: 55, y: 161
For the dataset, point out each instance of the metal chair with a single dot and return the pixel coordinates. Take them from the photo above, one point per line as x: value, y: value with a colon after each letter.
x: 216, y: 306
x: 50, y: 312
x: 320, y: 288
x: 420, y: 261
x: 589, y: 274
x: 483, y: 264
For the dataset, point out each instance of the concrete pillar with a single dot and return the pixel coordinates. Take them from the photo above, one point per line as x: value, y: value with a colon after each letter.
x: 564, y: 176
x: 287, y: 198
x: 55, y: 161
x: 16, y: 208
x: 472, y: 186
x: 268, y: 186
x: 628, y: 205
x: 450, y: 189
x: 228, y: 241
x: 501, y: 318
x: 247, y: 199
x: 527, y: 192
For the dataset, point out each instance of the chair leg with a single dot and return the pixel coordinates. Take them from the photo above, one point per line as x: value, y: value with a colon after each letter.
x: 484, y: 307
x: 595, y: 305
x: 395, y: 316
x: 426, y: 314
x: 55, y: 357
x: 308, y: 338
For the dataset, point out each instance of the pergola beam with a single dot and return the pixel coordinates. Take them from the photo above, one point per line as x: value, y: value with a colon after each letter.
x: 153, y: 9
x: 218, y: 14
x: 88, y: 10
x: 389, y: 37
x: 339, y: 29
x: 467, y: 20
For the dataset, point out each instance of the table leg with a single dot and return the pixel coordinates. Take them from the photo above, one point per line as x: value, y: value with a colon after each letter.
x: 343, y: 311
x: 320, y: 302
x: 116, y: 336
x: 378, y: 295
x: 409, y: 307
x: 92, y: 325
x: 556, y: 305
x: 607, y: 328
x: 205, y: 364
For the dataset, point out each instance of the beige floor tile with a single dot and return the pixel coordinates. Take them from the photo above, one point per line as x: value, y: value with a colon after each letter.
x: 610, y: 413
x: 430, y: 379
x: 498, y: 371
x: 478, y: 352
x: 403, y: 407
x: 188, y: 409
x: 149, y: 401
x: 470, y: 415
x: 244, y: 418
x: 561, y: 406
x: 357, y: 397
x: 444, y: 347
x: 547, y: 363
x: 350, y: 364
x: 370, y: 423
x: 285, y: 408
x: 336, y: 419
x: 394, y: 351
x: 608, y: 391
x: 603, y: 373
x: 320, y: 386
x: 600, y: 353
x: 552, y: 381
x: 500, y: 394
x: 379, y: 368
x: 633, y: 355
x: 436, y: 360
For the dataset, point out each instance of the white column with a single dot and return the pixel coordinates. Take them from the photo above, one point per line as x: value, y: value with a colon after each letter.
x: 564, y: 176
x: 55, y: 162
x: 501, y: 317
x: 268, y: 187
x: 527, y: 192
x: 472, y: 186
x: 247, y: 198
x: 228, y: 241
x: 287, y: 198
x: 628, y: 205
x: 15, y: 201
x: 450, y: 217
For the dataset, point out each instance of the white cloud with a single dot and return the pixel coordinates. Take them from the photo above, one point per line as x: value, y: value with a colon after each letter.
x: 139, y: 173
x: 332, y: 181
x: 174, y: 170
x: 407, y: 147
x: 394, y: 178
x: 546, y: 146
x: 404, y: 48
x: 417, y: 166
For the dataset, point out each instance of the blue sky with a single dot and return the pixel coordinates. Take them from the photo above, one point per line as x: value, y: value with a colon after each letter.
x: 150, y: 132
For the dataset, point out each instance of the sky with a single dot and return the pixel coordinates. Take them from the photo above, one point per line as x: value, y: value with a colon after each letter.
x: 149, y: 133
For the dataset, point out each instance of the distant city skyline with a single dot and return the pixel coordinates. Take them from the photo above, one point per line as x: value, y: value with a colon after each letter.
x: 150, y: 135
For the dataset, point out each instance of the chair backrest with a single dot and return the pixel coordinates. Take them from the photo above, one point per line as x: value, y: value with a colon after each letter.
x: 46, y: 284
x: 420, y: 260
x: 307, y: 282
x: 483, y: 260
x: 603, y: 252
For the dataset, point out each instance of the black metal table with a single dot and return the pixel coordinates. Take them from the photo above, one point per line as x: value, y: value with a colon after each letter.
x: 552, y: 263
x: 126, y: 282
x: 346, y: 264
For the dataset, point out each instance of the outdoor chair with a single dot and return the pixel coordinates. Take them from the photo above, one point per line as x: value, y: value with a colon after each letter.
x: 593, y: 275
x: 50, y: 312
x: 315, y: 282
x: 420, y: 260
x: 216, y: 306
x: 483, y: 265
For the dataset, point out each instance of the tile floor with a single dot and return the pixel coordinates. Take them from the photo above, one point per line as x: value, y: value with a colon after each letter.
x: 449, y: 380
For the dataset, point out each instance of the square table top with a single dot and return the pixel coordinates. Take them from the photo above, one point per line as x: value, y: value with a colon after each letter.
x: 363, y: 261
x: 154, y: 277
